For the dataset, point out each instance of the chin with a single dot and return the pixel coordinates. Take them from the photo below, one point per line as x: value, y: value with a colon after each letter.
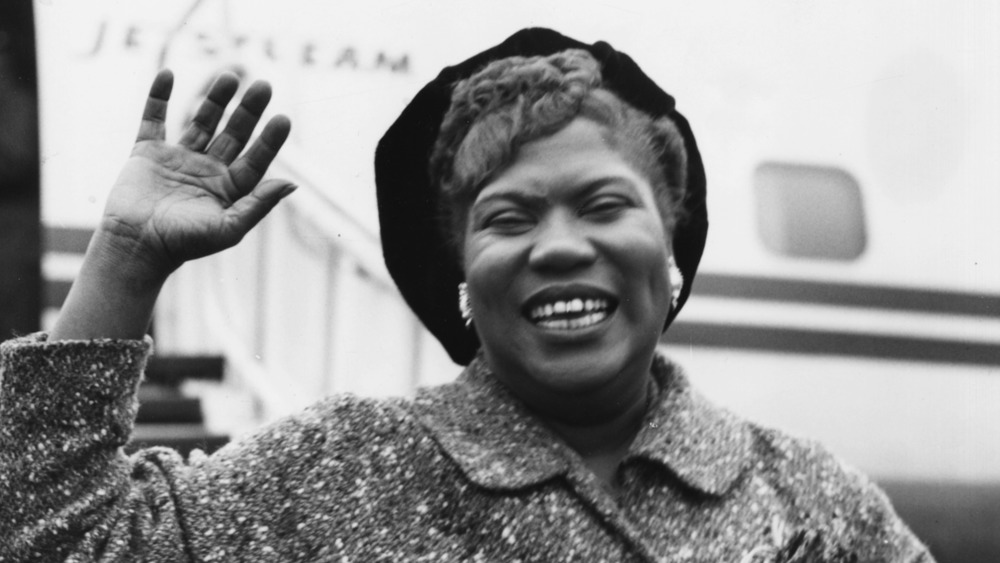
x: 576, y: 375
x: 590, y: 370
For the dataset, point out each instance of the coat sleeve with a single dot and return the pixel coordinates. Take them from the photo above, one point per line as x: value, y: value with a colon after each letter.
x: 67, y: 491
x: 290, y: 492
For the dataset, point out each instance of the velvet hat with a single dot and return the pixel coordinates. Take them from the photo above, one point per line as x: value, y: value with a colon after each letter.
x: 416, y: 251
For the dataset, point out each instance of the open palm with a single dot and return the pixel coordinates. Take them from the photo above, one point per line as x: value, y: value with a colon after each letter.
x: 177, y: 202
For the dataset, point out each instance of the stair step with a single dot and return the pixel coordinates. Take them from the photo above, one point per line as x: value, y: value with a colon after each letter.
x: 180, y: 437
x: 156, y: 392
x: 69, y: 240
x: 175, y: 410
x: 171, y: 370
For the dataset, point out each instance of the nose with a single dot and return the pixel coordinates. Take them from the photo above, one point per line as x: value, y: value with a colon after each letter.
x: 560, y: 245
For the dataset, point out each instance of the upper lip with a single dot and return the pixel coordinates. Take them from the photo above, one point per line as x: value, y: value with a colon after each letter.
x: 565, y: 292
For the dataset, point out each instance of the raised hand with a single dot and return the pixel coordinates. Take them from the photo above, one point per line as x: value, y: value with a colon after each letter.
x: 172, y: 203
x: 177, y: 202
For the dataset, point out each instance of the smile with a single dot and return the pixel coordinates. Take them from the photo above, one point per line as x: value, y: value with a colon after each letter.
x: 570, y: 314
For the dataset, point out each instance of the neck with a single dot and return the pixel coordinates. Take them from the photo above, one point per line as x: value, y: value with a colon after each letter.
x: 599, y: 424
x: 599, y: 436
x: 603, y: 445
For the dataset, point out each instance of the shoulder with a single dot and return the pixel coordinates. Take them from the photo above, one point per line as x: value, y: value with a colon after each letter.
x: 808, y: 491
x: 789, y: 459
x: 826, y: 496
x: 800, y: 472
x: 804, y: 469
x: 340, y: 423
x: 341, y: 444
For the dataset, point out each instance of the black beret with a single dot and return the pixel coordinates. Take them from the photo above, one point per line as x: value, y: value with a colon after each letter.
x: 416, y: 250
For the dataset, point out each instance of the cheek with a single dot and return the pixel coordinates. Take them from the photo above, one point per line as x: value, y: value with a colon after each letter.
x: 490, y: 268
x: 643, y: 258
x: 657, y: 274
x: 643, y: 242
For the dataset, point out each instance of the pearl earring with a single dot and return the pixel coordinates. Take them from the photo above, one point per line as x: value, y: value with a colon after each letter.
x: 676, y: 281
x: 464, y: 306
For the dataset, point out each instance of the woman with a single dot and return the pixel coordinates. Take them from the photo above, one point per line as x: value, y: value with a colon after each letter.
x: 572, y: 197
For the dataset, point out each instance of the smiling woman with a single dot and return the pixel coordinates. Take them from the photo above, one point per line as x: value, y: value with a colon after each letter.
x: 575, y: 221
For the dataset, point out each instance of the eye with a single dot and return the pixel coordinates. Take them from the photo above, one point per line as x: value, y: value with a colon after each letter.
x: 605, y: 206
x: 508, y: 221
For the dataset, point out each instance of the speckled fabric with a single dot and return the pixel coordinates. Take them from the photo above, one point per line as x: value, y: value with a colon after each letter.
x: 461, y: 473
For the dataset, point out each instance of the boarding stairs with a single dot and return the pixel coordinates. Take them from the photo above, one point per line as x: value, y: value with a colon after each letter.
x: 169, y: 416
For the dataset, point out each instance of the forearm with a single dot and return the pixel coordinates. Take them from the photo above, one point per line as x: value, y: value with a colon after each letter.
x: 114, y: 294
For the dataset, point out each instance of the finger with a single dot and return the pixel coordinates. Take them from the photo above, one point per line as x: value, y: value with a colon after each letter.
x: 153, y: 115
x: 247, y: 211
x: 231, y: 141
x: 199, y: 132
x: 250, y: 168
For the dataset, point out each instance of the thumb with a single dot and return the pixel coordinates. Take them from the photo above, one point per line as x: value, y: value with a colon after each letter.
x: 247, y: 211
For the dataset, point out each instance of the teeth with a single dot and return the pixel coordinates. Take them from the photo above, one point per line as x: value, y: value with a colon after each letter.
x: 578, y: 305
x: 572, y: 324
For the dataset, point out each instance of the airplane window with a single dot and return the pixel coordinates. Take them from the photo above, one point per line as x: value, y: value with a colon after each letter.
x: 806, y: 211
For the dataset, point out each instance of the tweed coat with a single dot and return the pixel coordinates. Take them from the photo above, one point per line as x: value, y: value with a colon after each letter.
x: 461, y: 472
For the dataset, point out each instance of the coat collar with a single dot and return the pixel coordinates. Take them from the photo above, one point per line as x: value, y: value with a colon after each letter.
x: 499, y: 445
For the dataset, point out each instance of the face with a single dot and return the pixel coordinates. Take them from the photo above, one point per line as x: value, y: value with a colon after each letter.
x: 565, y: 257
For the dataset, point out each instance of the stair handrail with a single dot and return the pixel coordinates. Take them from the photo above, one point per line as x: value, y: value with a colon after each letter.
x: 314, y: 220
x: 324, y: 213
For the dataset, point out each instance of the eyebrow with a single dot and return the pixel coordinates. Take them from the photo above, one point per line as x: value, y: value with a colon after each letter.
x: 529, y: 198
x: 511, y: 194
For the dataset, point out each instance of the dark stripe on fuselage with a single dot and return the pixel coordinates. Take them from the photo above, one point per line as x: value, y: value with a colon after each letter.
x: 822, y: 342
x: 848, y: 295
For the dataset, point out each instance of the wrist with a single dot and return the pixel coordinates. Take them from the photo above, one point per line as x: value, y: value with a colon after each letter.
x: 117, y: 250
x: 114, y: 294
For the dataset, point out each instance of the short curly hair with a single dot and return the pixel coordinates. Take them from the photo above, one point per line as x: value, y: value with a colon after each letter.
x: 516, y: 100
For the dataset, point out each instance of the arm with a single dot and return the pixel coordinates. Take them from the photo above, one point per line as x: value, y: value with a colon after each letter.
x: 67, y: 403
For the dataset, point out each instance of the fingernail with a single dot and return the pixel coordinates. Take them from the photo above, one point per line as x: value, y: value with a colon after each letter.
x: 287, y: 191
